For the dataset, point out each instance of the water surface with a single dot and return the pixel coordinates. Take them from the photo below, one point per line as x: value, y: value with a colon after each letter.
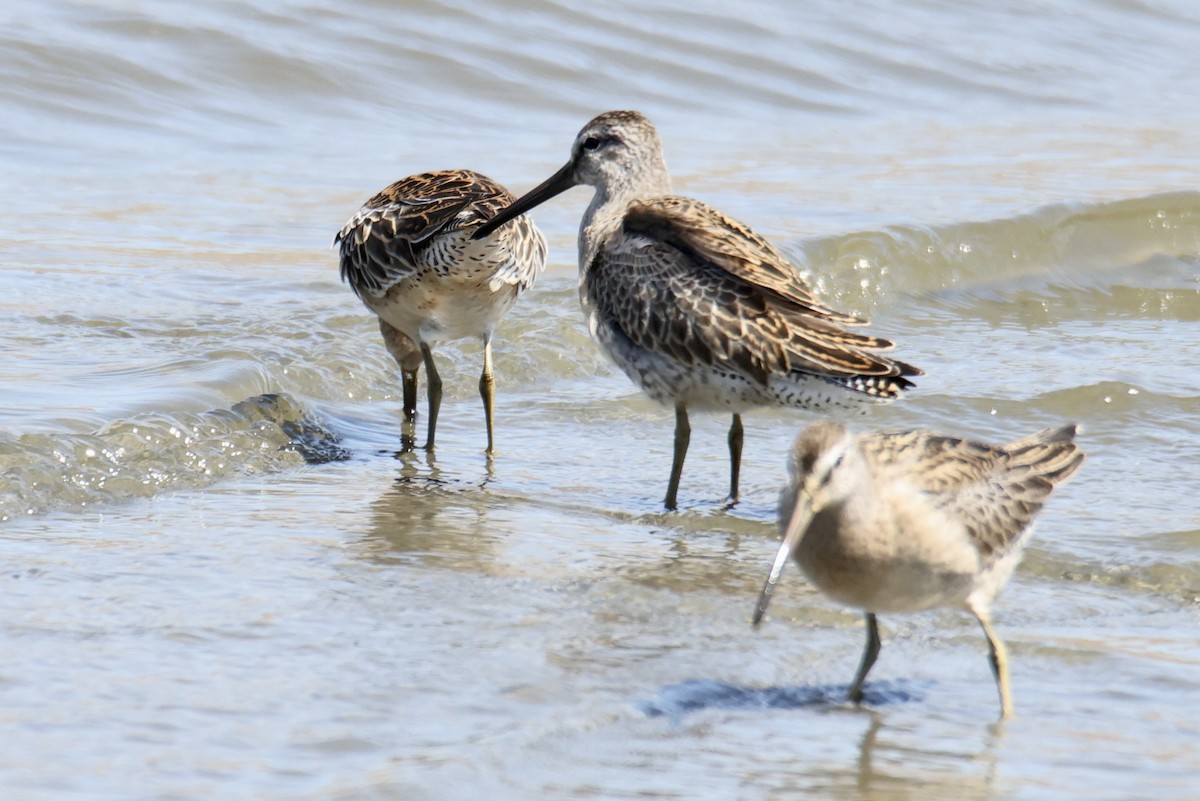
x: 221, y: 580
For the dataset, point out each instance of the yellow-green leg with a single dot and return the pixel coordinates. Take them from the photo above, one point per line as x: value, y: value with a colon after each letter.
x: 999, y: 660
x: 409, y: 383
x: 735, y: 456
x: 683, y: 435
x: 868, y: 659
x: 487, y: 390
x: 434, y: 392
x: 408, y: 356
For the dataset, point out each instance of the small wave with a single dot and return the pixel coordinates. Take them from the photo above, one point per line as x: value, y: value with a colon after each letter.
x: 152, y: 453
x: 1146, y: 245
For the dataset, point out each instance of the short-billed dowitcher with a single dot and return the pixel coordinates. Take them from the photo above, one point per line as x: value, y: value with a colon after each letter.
x: 697, y: 309
x: 409, y: 255
x: 903, y: 522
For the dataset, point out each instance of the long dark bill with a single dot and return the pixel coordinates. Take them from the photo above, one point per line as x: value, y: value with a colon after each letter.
x: 797, y: 525
x: 556, y: 184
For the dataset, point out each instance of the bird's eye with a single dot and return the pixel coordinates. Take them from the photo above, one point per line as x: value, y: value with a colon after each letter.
x: 592, y: 143
x: 827, y: 476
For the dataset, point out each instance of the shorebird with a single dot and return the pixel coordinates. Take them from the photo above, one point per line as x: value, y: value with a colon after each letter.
x: 697, y: 309
x: 409, y: 255
x: 909, y: 521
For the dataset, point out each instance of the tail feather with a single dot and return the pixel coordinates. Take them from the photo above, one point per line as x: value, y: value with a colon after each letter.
x: 882, y: 387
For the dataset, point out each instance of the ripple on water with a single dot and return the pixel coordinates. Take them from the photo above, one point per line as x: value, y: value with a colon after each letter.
x: 154, y: 453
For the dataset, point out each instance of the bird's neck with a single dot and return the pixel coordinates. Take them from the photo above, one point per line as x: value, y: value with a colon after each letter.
x: 606, y: 213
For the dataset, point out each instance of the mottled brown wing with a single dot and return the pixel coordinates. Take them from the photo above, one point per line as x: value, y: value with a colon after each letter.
x: 995, y: 491
x: 379, y: 246
x: 666, y: 291
x: 696, y: 227
x: 663, y: 303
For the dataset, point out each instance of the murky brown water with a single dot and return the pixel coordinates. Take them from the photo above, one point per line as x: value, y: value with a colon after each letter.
x: 220, y: 581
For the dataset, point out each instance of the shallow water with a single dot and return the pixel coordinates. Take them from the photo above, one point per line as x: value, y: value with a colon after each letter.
x: 220, y: 579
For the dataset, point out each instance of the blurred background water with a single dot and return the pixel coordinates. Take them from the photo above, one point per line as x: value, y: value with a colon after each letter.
x: 221, y: 581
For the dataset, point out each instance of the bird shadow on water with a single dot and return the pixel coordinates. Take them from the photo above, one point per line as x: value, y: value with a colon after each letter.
x: 675, y: 701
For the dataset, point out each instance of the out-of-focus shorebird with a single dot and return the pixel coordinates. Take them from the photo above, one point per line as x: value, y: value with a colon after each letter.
x: 698, y: 310
x: 409, y: 254
x: 903, y: 522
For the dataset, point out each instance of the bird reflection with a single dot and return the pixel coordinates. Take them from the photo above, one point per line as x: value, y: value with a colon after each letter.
x: 432, y: 516
x: 895, y: 762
